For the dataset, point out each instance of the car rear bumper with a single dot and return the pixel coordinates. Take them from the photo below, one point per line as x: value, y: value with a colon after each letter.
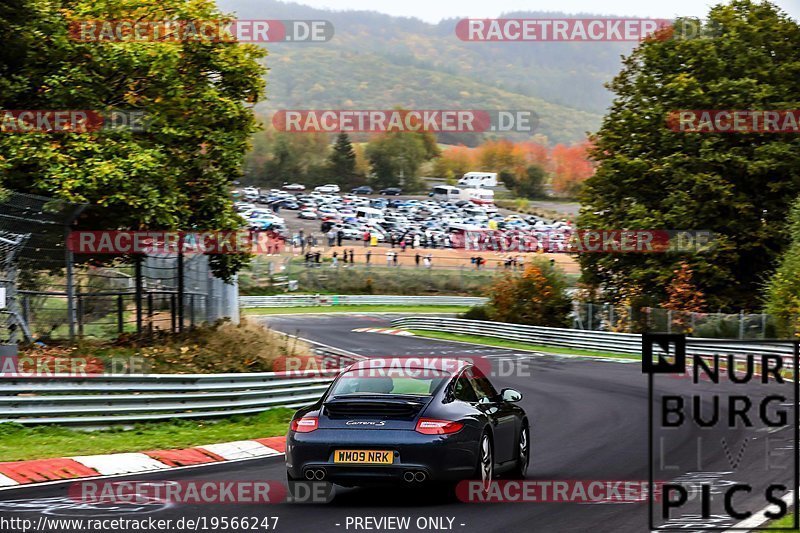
x: 434, y: 457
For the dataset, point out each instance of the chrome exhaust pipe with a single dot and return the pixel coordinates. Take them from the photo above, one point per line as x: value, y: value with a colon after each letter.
x: 420, y: 476
x: 408, y: 477
x: 319, y: 475
x: 309, y: 474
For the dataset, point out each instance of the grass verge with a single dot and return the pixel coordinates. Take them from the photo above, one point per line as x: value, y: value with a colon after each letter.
x: 18, y: 442
x: 358, y: 309
x: 501, y: 343
x: 785, y: 522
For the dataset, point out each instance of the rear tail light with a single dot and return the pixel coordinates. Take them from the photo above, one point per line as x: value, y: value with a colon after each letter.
x: 430, y: 426
x: 306, y: 424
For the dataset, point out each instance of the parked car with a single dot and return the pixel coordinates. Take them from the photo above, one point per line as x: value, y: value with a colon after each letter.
x: 328, y: 188
x: 289, y: 204
x: 392, y: 191
x: 308, y: 214
x: 294, y: 187
x: 364, y: 189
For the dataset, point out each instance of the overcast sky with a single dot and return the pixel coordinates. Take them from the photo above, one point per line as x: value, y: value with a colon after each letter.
x: 435, y: 10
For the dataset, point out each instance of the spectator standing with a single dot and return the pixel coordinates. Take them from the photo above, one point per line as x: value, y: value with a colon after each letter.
x: 394, y: 258
x: 428, y: 261
x: 339, y: 237
x: 416, y: 259
x: 352, y: 256
x: 366, y: 238
x: 415, y: 242
x: 317, y: 257
x: 389, y: 255
x: 335, y: 261
x: 331, y: 236
x: 368, y: 256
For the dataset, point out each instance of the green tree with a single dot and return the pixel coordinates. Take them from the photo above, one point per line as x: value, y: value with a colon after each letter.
x: 738, y: 185
x: 783, y: 288
x: 395, y: 158
x: 531, y: 184
x: 342, y: 161
x: 197, y: 96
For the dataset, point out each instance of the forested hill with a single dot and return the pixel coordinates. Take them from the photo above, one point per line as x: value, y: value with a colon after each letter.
x: 377, y: 61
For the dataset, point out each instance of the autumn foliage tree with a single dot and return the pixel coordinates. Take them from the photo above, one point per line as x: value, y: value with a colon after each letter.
x: 684, y: 297
x: 525, y: 167
x: 570, y: 167
x: 536, y: 297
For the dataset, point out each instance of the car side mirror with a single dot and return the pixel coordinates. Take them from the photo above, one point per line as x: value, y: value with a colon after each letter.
x: 511, y: 395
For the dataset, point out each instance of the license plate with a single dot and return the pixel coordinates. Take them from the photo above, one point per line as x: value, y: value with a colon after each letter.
x: 365, y: 457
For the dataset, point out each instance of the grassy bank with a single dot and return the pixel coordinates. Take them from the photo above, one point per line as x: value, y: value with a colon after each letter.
x: 19, y: 442
x: 357, y: 309
x: 500, y: 343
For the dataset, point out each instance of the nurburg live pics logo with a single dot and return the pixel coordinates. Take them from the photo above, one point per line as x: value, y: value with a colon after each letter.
x: 739, y: 393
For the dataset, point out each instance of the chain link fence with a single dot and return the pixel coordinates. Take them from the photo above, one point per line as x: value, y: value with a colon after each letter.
x: 607, y: 317
x: 54, y: 294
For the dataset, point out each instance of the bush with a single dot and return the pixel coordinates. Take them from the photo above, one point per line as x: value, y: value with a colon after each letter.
x: 479, y: 312
x: 219, y: 348
x: 537, y: 297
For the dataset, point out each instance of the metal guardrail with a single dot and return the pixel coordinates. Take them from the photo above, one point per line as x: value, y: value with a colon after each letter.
x: 604, y: 341
x: 106, y: 400
x: 312, y: 300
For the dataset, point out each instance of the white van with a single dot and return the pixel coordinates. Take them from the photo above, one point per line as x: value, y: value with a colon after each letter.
x: 367, y: 214
x: 446, y: 193
x: 479, y: 179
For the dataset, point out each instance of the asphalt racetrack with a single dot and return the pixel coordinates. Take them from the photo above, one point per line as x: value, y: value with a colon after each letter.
x: 589, y: 422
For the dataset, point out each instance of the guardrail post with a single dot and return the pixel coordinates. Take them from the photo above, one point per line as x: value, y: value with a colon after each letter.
x: 180, y: 288
x: 70, y: 274
x: 173, y: 319
x: 150, y: 312
x: 79, y: 314
x: 191, y: 311
x: 137, y: 261
x: 120, y: 307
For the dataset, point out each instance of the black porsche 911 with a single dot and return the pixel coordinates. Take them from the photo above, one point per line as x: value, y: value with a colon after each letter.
x: 409, y: 423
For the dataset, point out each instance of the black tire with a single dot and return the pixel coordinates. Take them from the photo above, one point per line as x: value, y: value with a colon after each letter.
x: 523, y: 453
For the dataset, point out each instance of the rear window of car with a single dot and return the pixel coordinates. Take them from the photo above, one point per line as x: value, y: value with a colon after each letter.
x: 419, y: 382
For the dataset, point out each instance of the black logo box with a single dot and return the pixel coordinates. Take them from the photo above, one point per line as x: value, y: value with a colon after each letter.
x: 673, y: 361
